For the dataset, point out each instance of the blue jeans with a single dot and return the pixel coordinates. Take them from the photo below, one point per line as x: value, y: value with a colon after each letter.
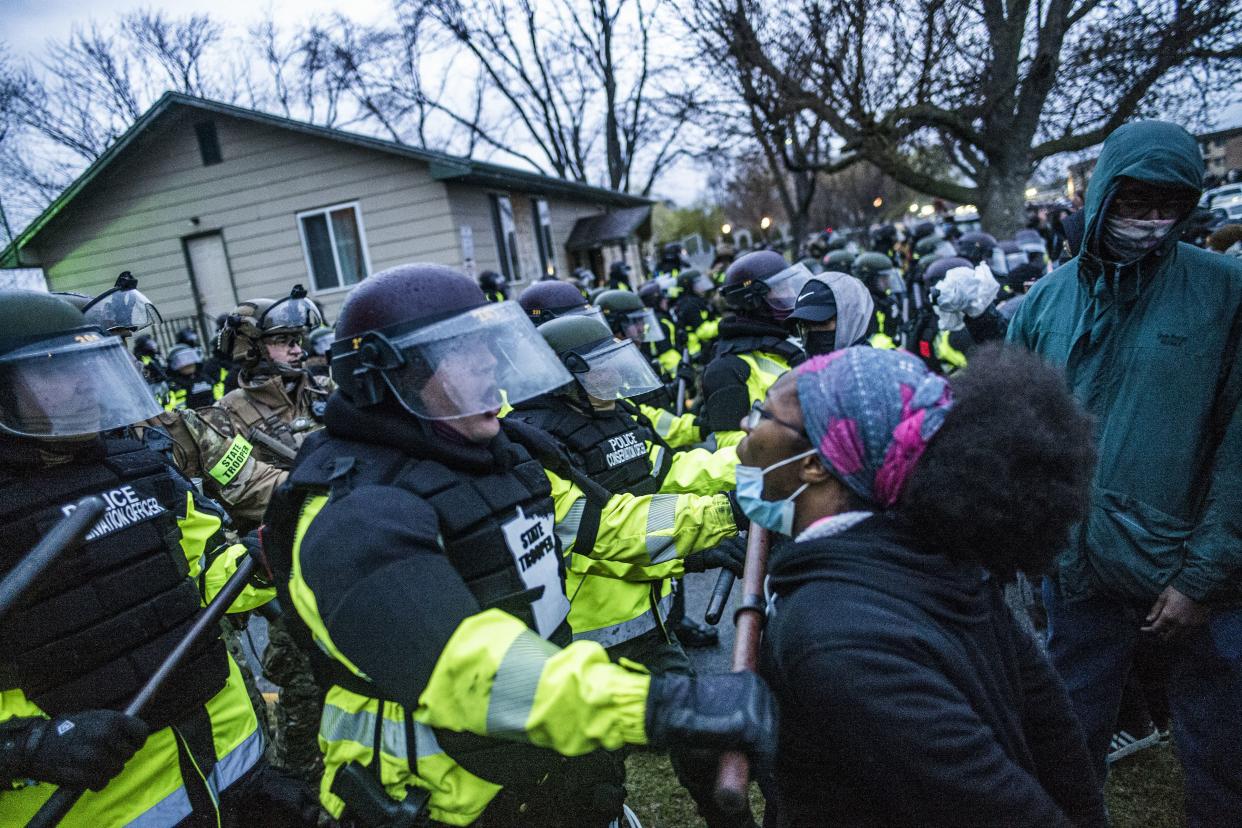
x: 1091, y: 643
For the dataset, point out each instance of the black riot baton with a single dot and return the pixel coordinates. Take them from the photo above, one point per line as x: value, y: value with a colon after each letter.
x: 65, y: 535
x: 681, y: 383
x: 64, y: 798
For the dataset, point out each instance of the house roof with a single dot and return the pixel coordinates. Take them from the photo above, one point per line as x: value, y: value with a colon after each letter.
x: 442, y: 166
x: 607, y: 228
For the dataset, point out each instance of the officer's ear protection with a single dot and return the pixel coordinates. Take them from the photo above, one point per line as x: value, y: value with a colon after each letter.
x: 227, y: 338
x: 364, y: 364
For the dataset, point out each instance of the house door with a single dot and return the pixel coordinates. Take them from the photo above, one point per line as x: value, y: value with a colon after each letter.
x: 210, y: 277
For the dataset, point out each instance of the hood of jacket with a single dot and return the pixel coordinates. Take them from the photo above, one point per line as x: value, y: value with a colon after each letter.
x: 880, y: 554
x: 855, y: 307
x: 1156, y: 152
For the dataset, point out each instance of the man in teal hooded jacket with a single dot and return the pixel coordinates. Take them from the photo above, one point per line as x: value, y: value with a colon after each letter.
x: 1146, y: 330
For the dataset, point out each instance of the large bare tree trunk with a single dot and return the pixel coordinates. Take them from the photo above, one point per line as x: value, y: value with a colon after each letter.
x: 1003, y: 205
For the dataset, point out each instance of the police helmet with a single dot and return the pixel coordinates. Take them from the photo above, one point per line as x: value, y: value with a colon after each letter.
x: 62, y: 377
x: 181, y: 355
x: 319, y: 341
x: 188, y: 336
x: 940, y: 268
x: 491, y: 280
x: 604, y: 367
x: 976, y: 246
x: 763, y: 284
x: 651, y: 294
x: 878, y: 273
x: 425, y: 336
x: 548, y: 300
x: 628, y: 317
x: 839, y: 260
x: 883, y: 237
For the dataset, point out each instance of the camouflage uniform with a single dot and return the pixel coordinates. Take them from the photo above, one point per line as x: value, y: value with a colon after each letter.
x: 266, y: 407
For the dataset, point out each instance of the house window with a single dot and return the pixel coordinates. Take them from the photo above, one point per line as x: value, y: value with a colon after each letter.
x: 335, y: 245
x: 543, y: 237
x: 208, y: 143
x: 506, y: 238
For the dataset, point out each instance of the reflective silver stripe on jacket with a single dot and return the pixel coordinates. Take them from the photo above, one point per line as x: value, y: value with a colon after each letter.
x: 514, y: 686
x: 767, y: 366
x: 663, y: 424
x: 567, y: 529
x: 339, y: 725
x: 661, y: 517
x: 176, y: 806
x: 619, y: 633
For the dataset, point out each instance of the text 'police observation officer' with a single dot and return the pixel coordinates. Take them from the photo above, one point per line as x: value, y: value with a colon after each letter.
x: 411, y: 543
x: 909, y: 695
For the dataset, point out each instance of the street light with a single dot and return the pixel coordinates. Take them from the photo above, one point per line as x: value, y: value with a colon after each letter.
x: 1030, y: 192
x: 765, y: 223
x: 914, y: 208
x: 726, y: 229
x: 878, y: 203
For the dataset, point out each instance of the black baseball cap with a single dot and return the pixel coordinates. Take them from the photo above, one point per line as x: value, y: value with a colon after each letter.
x: 816, y: 303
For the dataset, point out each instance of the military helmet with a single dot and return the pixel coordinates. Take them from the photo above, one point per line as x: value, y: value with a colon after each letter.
x: 244, y: 329
x: 425, y: 336
x: 604, y: 367
x: 878, y: 273
x: 837, y: 242
x: 651, y: 294
x: 61, y: 376
x: 122, y: 309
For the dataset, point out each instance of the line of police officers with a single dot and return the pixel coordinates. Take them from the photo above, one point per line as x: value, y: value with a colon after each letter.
x: 473, y: 535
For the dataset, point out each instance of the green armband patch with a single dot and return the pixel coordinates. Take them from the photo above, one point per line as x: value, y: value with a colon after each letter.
x: 231, y: 463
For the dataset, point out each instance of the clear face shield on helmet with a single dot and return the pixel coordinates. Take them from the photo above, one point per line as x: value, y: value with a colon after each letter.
x: 122, y: 311
x: 294, y: 311
x: 184, y: 357
x: 612, y: 370
x: 784, y: 289
x: 473, y: 363
x: 79, y: 384
x: 589, y: 311
x: 642, y: 326
x: 703, y: 284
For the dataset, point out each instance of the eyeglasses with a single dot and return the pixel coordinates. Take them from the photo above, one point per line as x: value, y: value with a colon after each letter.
x: 283, y: 339
x: 758, y: 413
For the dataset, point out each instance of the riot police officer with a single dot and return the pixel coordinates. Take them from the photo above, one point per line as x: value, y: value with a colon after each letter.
x: 548, y: 300
x: 494, y: 286
x: 888, y: 289
x: 753, y: 347
x: 189, y: 386
x: 102, y: 618
x: 451, y: 680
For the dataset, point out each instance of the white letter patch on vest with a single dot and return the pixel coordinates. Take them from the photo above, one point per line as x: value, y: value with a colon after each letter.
x: 531, y: 540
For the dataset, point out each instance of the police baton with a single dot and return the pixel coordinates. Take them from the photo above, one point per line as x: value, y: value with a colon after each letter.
x: 681, y: 383
x: 64, y: 798
x: 733, y: 777
x: 65, y: 535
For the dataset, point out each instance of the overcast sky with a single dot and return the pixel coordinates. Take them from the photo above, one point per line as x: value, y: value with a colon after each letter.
x: 27, y: 26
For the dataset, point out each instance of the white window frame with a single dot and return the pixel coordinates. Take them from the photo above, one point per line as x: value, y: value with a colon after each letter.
x: 543, y: 235
x: 362, y: 240
x: 510, y: 268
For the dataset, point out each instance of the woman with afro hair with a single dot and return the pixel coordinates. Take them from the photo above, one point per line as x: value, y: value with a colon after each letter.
x: 909, y: 695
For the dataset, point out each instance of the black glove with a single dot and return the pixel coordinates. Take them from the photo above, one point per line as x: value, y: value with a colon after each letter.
x: 740, y: 519
x: 729, y: 554
x: 686, y: 371
x: 81, y: 750
x: 729, y: 712
x: 261, y: 575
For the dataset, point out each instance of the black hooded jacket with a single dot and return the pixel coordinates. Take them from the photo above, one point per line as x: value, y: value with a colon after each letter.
x: 910, y: 697
x: 725, y: 396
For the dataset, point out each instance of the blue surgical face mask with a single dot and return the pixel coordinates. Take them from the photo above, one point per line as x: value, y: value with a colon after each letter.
x: 773, y: 515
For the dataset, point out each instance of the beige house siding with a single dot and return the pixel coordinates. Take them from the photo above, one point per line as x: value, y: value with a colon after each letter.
x: 136, y: 218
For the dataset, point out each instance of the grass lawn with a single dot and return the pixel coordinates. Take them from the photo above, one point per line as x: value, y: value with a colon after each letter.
x: 1144, y: 791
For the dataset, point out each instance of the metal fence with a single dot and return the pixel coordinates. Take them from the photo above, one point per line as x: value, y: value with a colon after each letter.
x: 165, y: 332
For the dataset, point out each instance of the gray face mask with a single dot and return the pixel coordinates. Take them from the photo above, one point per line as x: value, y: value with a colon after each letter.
x: 1127, y: 240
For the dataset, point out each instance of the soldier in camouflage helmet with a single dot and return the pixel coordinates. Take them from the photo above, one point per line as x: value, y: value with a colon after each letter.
x: 276, y: 404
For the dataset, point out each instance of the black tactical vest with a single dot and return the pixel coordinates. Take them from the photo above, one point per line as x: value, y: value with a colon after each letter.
x: 610, y: 447
x: 472, y: 509
x: 103, y: 617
